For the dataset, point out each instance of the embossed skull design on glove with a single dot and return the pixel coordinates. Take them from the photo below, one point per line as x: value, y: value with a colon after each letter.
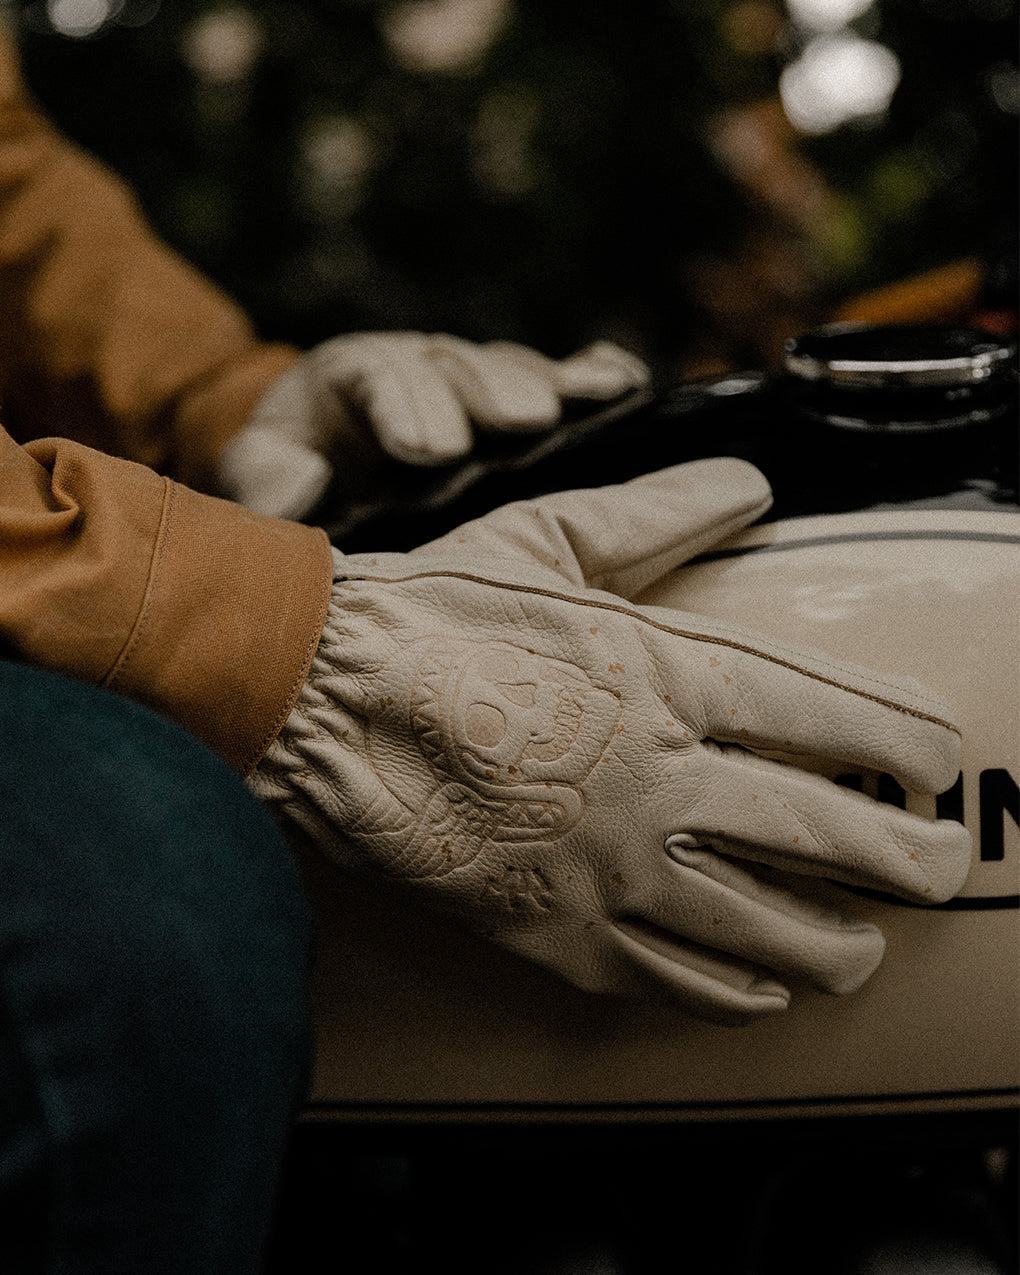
x: 612, y: 790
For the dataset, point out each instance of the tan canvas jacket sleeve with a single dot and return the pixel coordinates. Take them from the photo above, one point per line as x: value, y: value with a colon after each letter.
x: 196, y: 606
x: 108, y: 571
x: 106, y: 336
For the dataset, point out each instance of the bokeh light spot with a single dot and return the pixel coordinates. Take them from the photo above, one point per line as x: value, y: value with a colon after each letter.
x: 338, y: 155
x: 80, y: 18
x: 223, y: 46
x: 443, y: 36
x: 826, y: 15
x: 836, y: 79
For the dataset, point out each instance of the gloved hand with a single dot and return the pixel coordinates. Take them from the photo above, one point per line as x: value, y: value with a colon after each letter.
x: 491, y: 724
x: 417, y: 397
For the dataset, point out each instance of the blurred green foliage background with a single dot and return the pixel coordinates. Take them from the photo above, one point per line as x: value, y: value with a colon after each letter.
x: 550, y: 171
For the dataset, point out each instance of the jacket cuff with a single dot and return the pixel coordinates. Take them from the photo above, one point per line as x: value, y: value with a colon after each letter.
x: 195, y: 606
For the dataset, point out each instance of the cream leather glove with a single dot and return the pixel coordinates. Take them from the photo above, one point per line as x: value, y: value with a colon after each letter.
x: 420, y: 396
x: 618, y: 792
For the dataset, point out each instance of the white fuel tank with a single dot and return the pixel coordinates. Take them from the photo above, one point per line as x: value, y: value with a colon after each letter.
x: 417, y: 1020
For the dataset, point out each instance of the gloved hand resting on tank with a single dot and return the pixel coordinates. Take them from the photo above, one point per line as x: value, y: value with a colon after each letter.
x: 356, y: 400
x: 492, y: 725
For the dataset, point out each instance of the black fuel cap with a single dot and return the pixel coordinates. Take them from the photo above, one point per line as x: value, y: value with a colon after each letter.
x: 901, y: 379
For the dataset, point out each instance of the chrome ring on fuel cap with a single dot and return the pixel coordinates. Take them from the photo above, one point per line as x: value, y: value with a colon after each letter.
x: 865, y: 356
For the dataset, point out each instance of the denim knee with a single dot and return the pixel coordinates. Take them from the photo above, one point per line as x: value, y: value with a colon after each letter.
x: 154, y: 951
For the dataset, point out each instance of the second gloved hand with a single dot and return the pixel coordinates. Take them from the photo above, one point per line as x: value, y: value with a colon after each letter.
x: 414, y: 398
x: 491, y: 725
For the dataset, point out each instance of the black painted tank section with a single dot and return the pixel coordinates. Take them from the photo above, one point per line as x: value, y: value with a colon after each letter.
x: 824, y: 449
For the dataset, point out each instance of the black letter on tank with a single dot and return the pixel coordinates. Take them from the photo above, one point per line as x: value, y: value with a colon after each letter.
x: 888, y: 789
x: 949, y: 805
x: 999, y: 796
x: 891, y: 792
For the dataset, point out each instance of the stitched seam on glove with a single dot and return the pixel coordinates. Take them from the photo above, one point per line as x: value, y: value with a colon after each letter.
x: 710, y: 639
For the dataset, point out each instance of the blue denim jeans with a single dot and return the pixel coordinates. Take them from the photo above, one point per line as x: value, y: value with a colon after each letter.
x: 154, y: 952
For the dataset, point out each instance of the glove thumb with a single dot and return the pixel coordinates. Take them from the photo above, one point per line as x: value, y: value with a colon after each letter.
x: 624, y: 538
x: 273, y: 474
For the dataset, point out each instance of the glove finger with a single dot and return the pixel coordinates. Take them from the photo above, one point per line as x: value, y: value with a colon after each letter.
x: 710, y: 983
x: 600, y: 371
x: 272, y: 474
x: 499, y: 390
x: 779, y: 922
x: 290, y: 408
x: 414, y: 412
x: 622, y: 538
x: 801, y: 703
x: 744, y: 806
x: 630, y: 957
